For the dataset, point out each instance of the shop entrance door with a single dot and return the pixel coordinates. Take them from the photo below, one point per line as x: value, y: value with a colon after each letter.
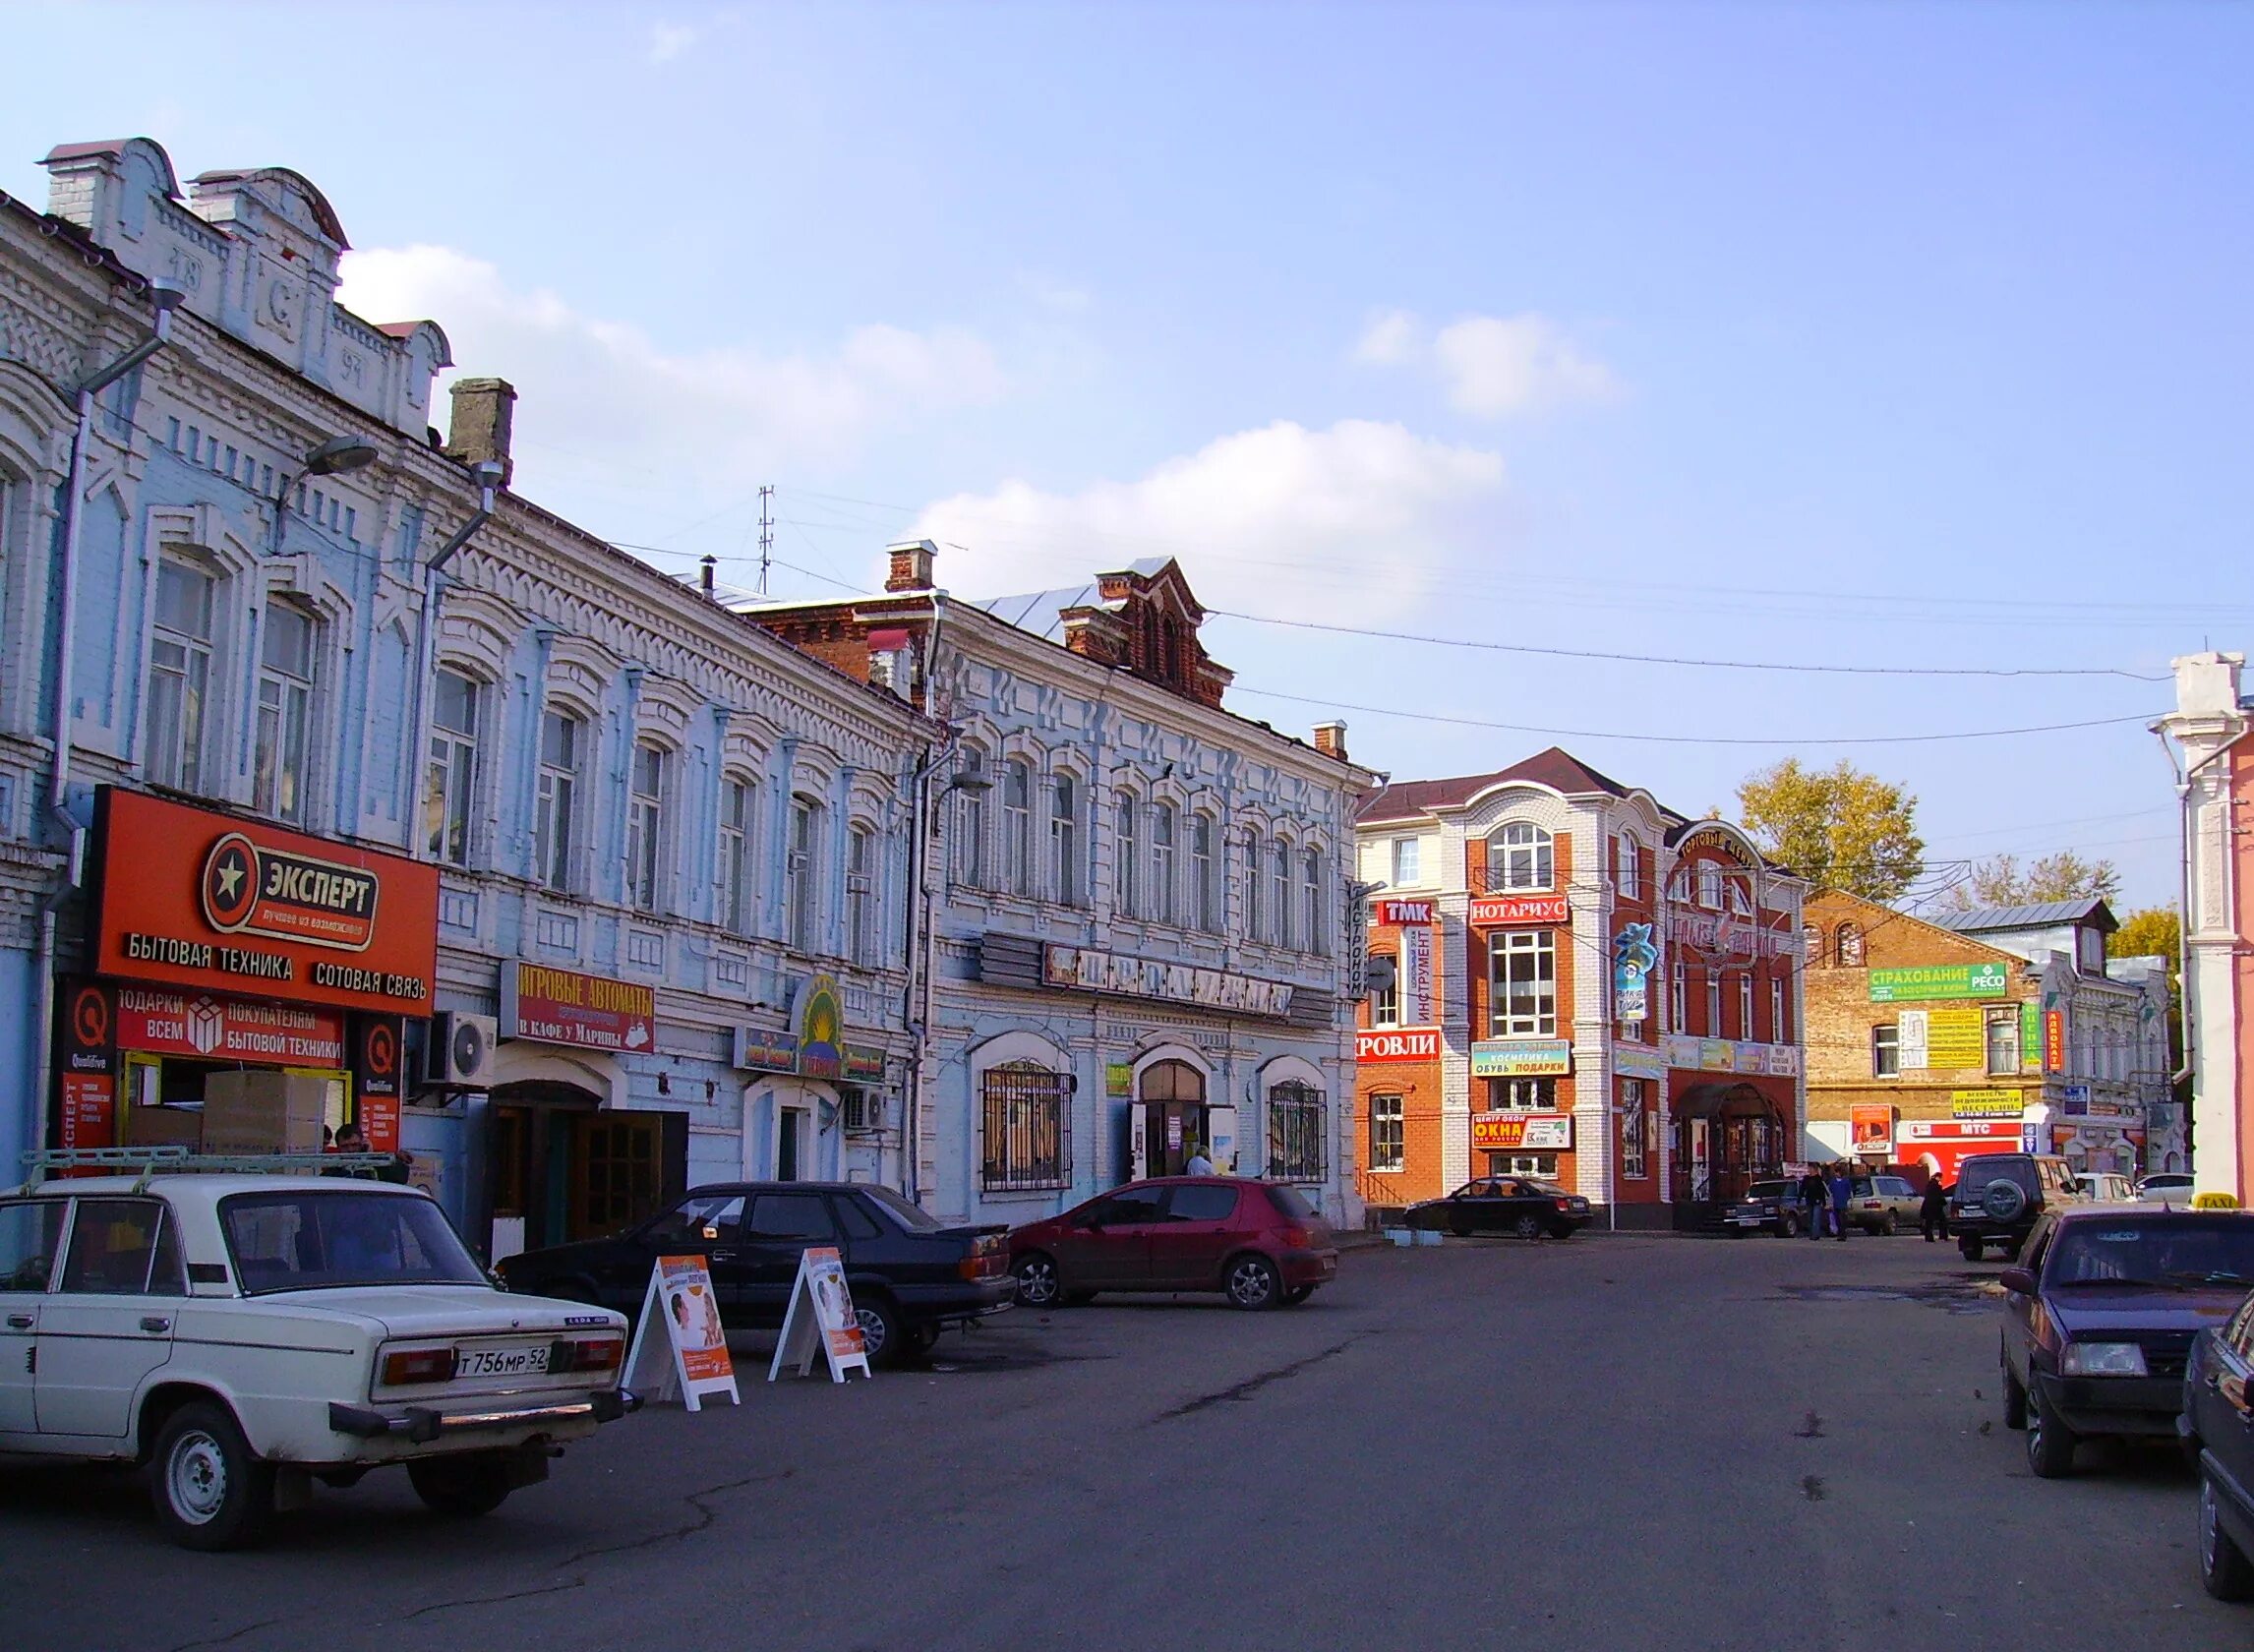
x: 1172, y: 1097
x: 790, y: 1144
x: 618, y: 1161
x: 564, y: 1167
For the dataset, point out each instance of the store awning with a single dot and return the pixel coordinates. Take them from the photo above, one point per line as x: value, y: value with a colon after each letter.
x: 1711, y: 1100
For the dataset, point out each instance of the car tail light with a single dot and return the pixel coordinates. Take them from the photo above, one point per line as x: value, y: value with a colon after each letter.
x: 1564, y: 1203
x: 982, y: 1263
x: 419, y: 1365
x: 587, y: 1353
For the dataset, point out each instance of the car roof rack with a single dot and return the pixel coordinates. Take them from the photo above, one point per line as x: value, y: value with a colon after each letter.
x: 171, y: 1157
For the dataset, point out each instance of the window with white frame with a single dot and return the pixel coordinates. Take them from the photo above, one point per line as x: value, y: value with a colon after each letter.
x: 1064, y: 869
x: 1280, y: 892
x: 179, y: 674
x: 739, y: 810
x: 971, y: 822
x: 1543, y: 1167
x: 284, y: 735
x: 1404, y: 863
x: 1678, y: 1018
x: 1886, y: 1053
x: 1521, y: 856
x: 452, y: 774
x: 1255, y: 914
x: 1812, y: 946
x: 803, y: 876
x: 1634, y: 1163
x: 1738, y: 891
x: 860, y: 896
x: 1127, y: 862
x: 1016, y: 826
x: 1779, y: 1032
x: 1387, y: 1133
x: 1713, y: 1026
x: 1205, y: 875
x: 645, y: 824
x: 2002, y: 1031
x: 1627, y: 881
x: 1521, y: 1096
x: 556, y: 799
x: 1314, y: 933
x: 1385, y: 989
x: 1709, y: 878
x: 1162, y: 862
x: 1295, y: 1133
x: 1745, y: 1004
x: 1523, y: 985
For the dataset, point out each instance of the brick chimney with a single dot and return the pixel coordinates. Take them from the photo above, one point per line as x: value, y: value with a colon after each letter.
x: 1330, y: 740
x: 483, y: 411
x: 911, y: 560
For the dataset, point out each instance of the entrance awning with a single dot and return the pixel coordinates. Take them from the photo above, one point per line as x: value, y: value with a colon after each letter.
x: 1714, y: 1100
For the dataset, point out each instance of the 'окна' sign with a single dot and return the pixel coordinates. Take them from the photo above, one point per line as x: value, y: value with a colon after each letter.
x: 193, y: 898
x: 1406, y: 1044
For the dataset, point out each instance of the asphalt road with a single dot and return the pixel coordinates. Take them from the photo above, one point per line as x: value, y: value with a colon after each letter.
x: 1641, y: 1440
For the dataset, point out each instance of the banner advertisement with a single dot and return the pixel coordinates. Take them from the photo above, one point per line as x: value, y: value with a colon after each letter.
x: 209, y: 1028
x: 1955, y: 1040
x: 1633, y: 959
x: 1406, y: 1043
x: 1416, y: 984
x: 88, y: 1067
x: 1400, y: 914
x: 1940, y: 980
x: 2031, y: 1035
x: 2054, y: 1040
x: 1986, y: 1103
x: 821, y: 1320
x: 681, y: 1348
x: 202, y: 901
x: 1493, y: 912
x: 1870, y: 1127
x: 1521, y: 1058
x: 377, y: 1042
x: 1522, y: 1132
x: 550, y: 1006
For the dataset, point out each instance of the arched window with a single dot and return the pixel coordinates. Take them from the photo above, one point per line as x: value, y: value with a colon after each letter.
x: 1065, y: 884
x: 645, y: 825
x: 1016, y: 826
x: 1126, y: 863
x: 179, y: 673
x: 1847, y: 941
x: 862, y: 905
x: 1280, y: 893
x: 739, y: 835
x: 1519, y: 857
x: 971, y: 819
x: 282, y: 751
x: 1627, y: 875
x: 1812, y: 946
x: 803, y: 876
x: 1314, y: 936
x: 1162, y: 862
x: 451, y: 783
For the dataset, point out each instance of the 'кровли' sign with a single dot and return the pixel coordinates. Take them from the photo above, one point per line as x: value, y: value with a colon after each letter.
x: 191, y: 897
x: 1092, y: 969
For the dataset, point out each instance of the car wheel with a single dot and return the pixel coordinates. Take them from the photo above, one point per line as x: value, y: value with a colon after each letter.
x: 880, y: 1332
x: 1252, y: 1284
x: 1038, y: 1284
x: 464, y: 1487
x: 1789, y: 1226
x: 2014, y: 1398
x: 2222, y: 1565
x: 2049, y: 1442
x: 1297, y: 1294
x: 1969, y: 1249
x: 211, y: 1489
x: 1886, y: 1226
x: 1528, y: 1226
x: 922, y: 1338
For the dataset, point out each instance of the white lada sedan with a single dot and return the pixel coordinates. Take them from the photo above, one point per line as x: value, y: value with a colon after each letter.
x: 246, y: 1336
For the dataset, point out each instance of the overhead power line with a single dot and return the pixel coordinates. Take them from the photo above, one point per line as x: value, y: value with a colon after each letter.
x: 1675, y: 660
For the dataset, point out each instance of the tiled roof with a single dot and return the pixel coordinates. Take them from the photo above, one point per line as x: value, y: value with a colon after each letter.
x: 2041, y: 914
x: 1555, y: 768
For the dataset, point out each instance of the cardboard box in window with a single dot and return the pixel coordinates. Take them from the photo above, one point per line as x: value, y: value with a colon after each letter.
x: 163, y: 1127
x: 263, y: 1113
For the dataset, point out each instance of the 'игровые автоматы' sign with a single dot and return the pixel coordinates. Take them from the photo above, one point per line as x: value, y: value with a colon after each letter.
x: 1092, y: 969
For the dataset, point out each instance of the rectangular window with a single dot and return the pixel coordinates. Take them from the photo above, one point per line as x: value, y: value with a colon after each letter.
x: 1280, y: 893
x: 1017, y: 827
x: 645, y: 819
x: 1678, y: 1016
x: 1388, y: 1138
x: 1886, y: 1053
x: 1745, y: 1004
x: 1523, y: 985
x: 860, y: 896
x: 1520, y: 857
x: 2003, y: 1040
x: 1064, y: 841
x: 1023, y: 1123
x: 1162, y: 862
x: 1633, y: 1165
x: 1779, y: 1032
x: 1295, y: 1133
x: 554, y: 812
x: 802, y: 874
x: 452, y: 775
x: 1313, y: 936
x: 1385, y: 991
x: 1713, y: 1026
x: 285, y: 714
x: 1710, y: 887
x: 179, y: 675
x: 1124, y: 896
x: 1629, y: 878
x: 1521, y: 1096
x: 1255, y: 919
x: 735, y: 818
x: 971, y: 826
x: 1204, y: 877
x: 1404, y: 862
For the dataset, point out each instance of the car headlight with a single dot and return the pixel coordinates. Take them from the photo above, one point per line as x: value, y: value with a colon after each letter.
x: 2102, y: 1359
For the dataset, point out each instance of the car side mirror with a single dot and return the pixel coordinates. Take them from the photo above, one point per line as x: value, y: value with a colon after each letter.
x: 2018, y: 1280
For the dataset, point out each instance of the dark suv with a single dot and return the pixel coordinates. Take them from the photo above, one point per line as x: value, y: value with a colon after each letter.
x: 2000, y: 1196
x: 1768, y: 1208
x: 2217, y: 1429
x: 909, y: 1273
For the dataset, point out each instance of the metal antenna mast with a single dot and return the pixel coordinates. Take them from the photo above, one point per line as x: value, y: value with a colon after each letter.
x: 766, y: 533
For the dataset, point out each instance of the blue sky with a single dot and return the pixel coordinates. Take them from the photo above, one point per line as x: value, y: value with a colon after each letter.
x: 1907, y: 335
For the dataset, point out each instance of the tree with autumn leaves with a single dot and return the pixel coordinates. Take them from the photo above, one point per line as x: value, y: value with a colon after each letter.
x: 1839, y: 828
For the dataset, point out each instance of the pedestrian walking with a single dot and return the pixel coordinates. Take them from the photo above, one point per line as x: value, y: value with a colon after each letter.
x: 1842, y: 1190
x: 1816, y: 1198
x: 1933, y: 1210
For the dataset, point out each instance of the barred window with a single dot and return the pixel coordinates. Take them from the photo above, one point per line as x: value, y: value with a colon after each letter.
x: 1026, y: 1127
x: 1633, y: 1164
x: 1295, y: 1132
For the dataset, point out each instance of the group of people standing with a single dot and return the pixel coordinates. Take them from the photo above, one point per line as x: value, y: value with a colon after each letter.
x: 1826, y: 1188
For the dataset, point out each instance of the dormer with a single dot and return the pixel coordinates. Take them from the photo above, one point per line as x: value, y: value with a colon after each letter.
x: 1155, y: 619
x: 258, y: 252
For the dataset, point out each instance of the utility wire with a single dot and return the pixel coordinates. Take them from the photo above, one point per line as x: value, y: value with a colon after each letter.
x: 1675, y: 660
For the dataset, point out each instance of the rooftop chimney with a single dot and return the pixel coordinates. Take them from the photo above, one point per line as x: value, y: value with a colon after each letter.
x: 1330, y: 740
x: 911, y: 569
x: 484, y: 410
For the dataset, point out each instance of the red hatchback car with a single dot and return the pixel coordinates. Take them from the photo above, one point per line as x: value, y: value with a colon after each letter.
x: 1256, y: 1243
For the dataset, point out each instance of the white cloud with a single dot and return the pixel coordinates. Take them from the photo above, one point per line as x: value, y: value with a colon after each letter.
x: 1348, y: 523
x: 602, y: 393
x: 1493, y: 366
x: 667, y: 40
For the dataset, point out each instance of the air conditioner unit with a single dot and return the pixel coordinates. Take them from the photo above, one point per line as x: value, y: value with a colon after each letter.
x: 459, y: 1055
x: 860, y: 1113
